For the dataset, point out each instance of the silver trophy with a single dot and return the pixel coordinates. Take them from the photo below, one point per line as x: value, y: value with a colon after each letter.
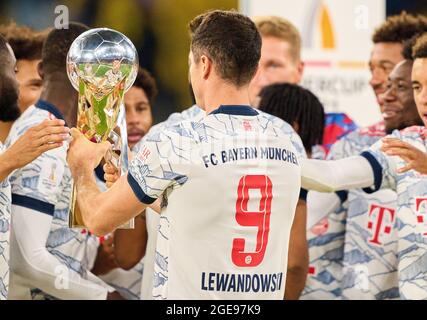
x: 102, y: 65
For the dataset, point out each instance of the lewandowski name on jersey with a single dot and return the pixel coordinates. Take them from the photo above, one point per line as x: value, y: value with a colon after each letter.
x: 241, y: 282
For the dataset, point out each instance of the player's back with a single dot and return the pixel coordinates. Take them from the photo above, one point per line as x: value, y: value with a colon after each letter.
x: 224, y: 232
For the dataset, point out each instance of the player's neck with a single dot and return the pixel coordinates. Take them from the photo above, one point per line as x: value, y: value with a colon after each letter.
x: 4, y: 130
x: 225, y: 95
x: 64, y: 97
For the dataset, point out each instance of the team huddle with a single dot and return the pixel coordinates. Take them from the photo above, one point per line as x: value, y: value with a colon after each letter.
x: 251, y: 193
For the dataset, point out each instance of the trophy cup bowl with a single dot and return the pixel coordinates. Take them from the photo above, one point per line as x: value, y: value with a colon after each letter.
x: 102, y: 65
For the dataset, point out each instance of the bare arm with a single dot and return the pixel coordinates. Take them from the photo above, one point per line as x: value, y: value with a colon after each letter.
x: 102, y: 212
x: 130, y: 244
x: 297, y: 254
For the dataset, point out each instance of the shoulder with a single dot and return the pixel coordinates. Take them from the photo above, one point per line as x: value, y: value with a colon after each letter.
x: 414, y: 135
x: 283, y: 129
x: 377, y: 129
x: 414, y: 131
x: 193, y: 113
x: 182, y: 130
x: 276, y: 122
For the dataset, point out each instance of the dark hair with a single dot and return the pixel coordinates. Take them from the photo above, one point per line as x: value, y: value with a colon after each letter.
x: 56, y: 46
x: 146, y: 82
x: 26, y: 43
x: 399, y: 28
x: 407, y: 47
x: 294, y: 104
x: 3, y: 47
x: 231, y: 40
x: 419, y: 50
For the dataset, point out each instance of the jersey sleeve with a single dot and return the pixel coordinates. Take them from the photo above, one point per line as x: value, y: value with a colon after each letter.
x: 160, y: 164
x: 341, y: 149
x: 383, y: 167
x: 37, y: 186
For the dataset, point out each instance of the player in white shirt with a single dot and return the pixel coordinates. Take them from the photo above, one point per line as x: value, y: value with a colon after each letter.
x: 369, y: 255
x: 232, y: 242
x: 48, y: 259
x: 302, y: 109
x: 377, y: 169
x: 46, y: 136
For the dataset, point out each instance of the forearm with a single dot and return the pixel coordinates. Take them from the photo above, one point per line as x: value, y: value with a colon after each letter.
x: 295, y: 282
x: 330, y: 176
x: 297, y: 266
x: 88, y: 197
x: 40, y: 269
x: 130, y: 244
x: 6, y: 165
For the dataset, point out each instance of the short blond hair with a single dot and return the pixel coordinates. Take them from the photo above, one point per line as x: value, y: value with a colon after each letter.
x: 277, y: 27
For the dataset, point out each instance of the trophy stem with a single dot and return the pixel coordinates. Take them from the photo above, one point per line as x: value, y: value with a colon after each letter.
x: 75, y: 219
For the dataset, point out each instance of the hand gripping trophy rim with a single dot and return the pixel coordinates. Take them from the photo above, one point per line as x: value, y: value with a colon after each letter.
x: 102, y: 65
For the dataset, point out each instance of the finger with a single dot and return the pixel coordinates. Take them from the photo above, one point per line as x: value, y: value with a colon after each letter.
x: 49, y: 123
x: 103, y: 147
x: 109, y: 168
x: 76, y: 133
x: 110, y: 178
x: 400, y: 152
x: 397, y: 144
x: 46, y: 147
x: 52, y: 130
x: 53, y: 138
x: 405, y: 168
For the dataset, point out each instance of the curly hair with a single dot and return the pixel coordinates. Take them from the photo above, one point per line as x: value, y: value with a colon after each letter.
x: 296, y: 105
x: 145, y: 81
x: 419, y: 50
x: 399, y: 28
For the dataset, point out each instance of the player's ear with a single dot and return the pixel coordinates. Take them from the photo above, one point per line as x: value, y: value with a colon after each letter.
x: 40, y: 69
x: 300, y: 71
x: 206, y: 66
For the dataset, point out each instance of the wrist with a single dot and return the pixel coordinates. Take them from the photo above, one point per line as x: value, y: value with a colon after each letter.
x: 7, y: 164
x: 81, y: 172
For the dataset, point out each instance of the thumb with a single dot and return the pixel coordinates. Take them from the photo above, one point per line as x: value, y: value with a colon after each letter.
x: 104, y: 147
x: 75, y: 133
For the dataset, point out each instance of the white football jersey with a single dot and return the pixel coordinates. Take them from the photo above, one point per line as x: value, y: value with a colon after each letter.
x: 410, y: 218
x: 44, y: 185
x: 325, y: 250
x: 5, y: 201
x: 370, y: 250
x: 229, y: 186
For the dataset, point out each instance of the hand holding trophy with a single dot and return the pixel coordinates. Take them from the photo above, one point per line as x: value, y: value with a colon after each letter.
x: 102, y: 65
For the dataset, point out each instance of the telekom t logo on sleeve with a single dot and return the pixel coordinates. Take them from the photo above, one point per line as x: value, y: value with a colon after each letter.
x: 421, y: 211
x: 380, y: 222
